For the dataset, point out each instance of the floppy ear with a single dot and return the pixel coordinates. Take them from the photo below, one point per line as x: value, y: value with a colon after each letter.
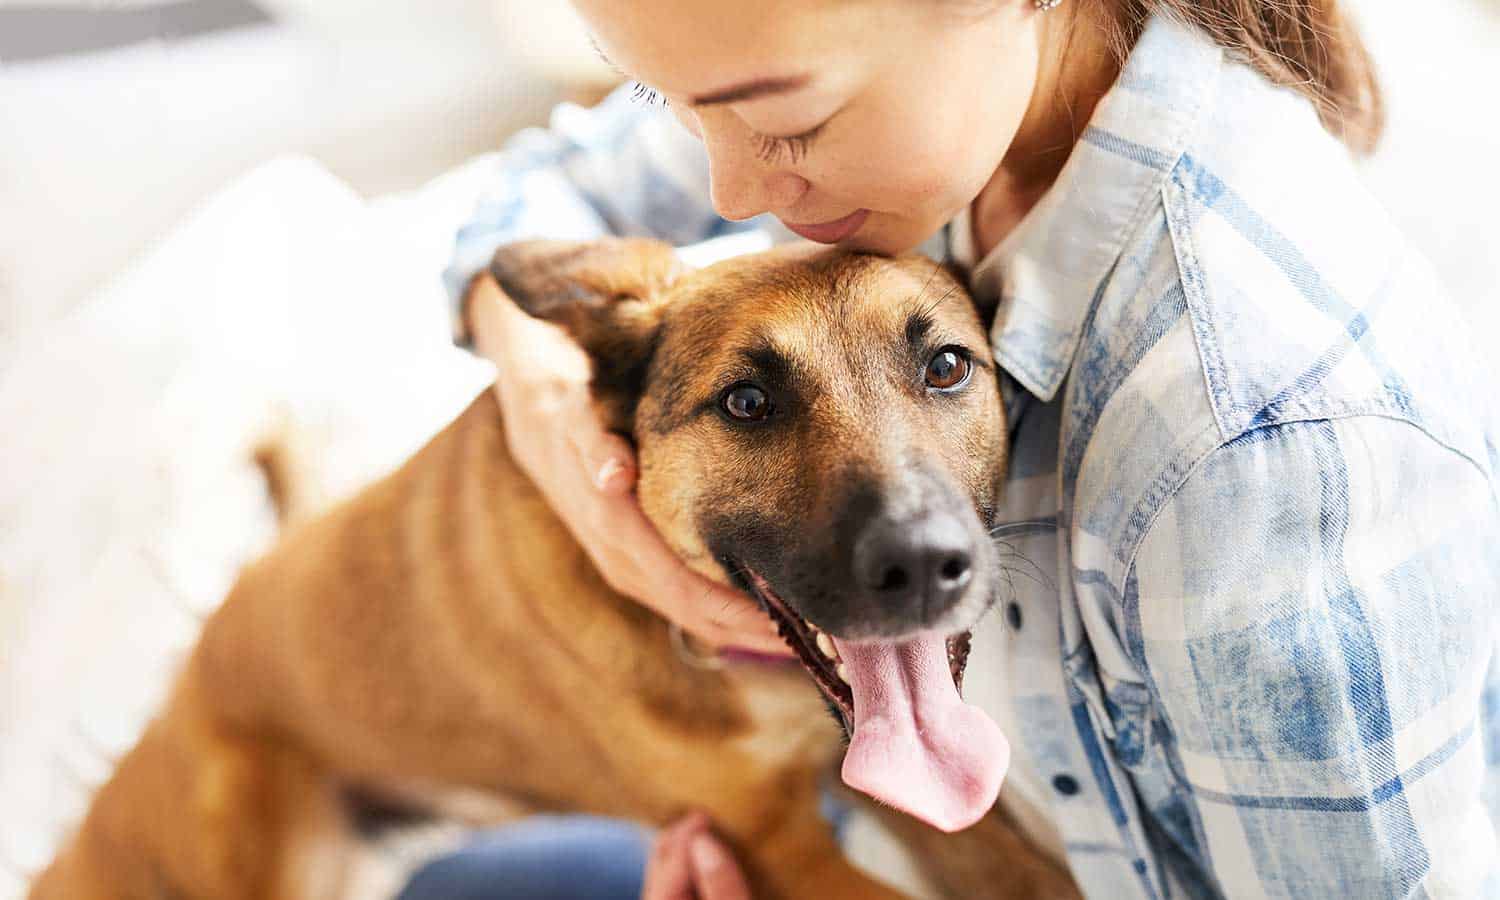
x: 607, y: 295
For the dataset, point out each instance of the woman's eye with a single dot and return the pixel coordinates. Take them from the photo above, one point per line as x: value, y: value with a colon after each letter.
x: 947, y: 369
x: 796, y: 146
x: 747, y: 403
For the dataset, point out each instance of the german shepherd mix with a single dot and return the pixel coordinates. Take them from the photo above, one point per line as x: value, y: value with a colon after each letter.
x: 823, y: 430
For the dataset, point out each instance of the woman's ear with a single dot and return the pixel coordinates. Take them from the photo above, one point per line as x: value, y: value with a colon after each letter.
x: 607, y: 294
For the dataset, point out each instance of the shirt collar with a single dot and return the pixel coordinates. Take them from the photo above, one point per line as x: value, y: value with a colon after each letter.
x: 1049, y: 271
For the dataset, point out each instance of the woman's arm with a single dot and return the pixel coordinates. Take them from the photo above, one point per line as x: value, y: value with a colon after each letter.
x: 1317, y: 618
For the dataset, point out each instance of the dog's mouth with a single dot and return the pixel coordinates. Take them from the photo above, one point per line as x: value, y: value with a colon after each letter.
x: 819, y: 654
x: 913, y: 742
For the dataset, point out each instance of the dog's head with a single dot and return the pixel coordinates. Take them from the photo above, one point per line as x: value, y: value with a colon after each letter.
x: 824, y: 430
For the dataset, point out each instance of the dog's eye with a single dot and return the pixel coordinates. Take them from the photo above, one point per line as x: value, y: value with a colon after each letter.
x: 746, y: 402
x: 948, y: 369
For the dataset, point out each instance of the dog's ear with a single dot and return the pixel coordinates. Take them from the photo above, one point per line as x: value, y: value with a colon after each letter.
x: 607, y: 295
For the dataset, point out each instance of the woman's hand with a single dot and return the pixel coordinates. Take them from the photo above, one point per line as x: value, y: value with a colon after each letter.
x: 688, y: 863
x: 588, y: 475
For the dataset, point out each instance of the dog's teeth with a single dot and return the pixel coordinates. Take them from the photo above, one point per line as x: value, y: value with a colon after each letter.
x: 825, y: 644
x: 843, y: 672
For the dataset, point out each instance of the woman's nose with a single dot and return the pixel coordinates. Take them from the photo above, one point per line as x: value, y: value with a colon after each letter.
x: 741, y: 184
x: 738, y: 196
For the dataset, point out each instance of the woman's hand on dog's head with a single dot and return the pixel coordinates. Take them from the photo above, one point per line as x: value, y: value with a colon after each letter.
x: 688, y: 863
x: 588, y: 475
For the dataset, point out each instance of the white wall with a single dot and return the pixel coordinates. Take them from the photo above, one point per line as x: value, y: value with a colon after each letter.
x: 100, y: 153
x: 1436, y: 171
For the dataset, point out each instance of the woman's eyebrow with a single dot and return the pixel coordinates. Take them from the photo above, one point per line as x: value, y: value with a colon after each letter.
x: 760, y: 87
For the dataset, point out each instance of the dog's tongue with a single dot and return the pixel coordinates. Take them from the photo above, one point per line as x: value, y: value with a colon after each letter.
x: 916, y: 744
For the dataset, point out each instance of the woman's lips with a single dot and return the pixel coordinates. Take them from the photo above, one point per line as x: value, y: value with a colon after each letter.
x: 832, y: 232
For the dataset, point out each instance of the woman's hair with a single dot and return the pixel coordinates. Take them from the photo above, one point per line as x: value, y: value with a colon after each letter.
x: 1309, y: 45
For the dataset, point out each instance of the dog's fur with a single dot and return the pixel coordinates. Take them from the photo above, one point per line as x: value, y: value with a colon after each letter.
x: 443, y: 630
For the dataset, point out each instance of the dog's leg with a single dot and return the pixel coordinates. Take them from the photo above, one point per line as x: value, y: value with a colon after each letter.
x: 196, y: 811
x: 988, y: 861
x: 810, y: 864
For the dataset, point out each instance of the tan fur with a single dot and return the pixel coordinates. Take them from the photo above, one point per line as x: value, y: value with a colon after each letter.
x: 990, y: 859
x: 443, y: 629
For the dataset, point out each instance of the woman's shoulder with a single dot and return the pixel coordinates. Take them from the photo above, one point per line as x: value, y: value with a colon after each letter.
x: 1247, y: 315
x: 1246, y: 346
x: 1261, y: 289
x: 1250, y: 303
x: 1305, y: 299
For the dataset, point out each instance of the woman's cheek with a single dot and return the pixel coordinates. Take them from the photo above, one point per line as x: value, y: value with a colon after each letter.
x: 916, y: 166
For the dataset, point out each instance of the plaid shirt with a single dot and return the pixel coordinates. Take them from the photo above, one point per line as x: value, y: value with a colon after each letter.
x: 1251, y: 644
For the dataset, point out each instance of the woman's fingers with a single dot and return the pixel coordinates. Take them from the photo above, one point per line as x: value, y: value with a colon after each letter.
x: 638, y: 563
x: 607, y: 458
x: 716, y: 876
x: 727, y: 618
x: 669, y: 874
x: 689, y: 863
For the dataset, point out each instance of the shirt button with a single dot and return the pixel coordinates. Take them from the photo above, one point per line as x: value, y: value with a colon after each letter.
x: 1066, y: 785
x: 1013, y: 615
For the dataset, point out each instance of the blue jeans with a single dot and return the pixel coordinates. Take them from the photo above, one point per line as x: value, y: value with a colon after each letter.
x: 556, y: 858
x: 541, y: 858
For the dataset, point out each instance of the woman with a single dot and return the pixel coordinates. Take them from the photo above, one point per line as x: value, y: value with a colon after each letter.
x: 1251, y: 458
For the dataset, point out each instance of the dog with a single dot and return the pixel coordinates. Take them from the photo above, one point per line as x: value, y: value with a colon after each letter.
x: 820, y: 429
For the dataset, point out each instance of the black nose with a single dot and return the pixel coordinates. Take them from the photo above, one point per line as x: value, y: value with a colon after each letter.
x: 915, y: 568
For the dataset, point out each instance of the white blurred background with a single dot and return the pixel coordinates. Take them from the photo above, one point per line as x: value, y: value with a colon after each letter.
x: 102, y: 150
x: 222, y: 223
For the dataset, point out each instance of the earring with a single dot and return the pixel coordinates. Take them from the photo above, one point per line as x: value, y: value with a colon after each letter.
x: 1044, y: 5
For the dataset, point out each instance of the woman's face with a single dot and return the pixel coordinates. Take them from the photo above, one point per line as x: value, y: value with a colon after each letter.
x: 868, y: 123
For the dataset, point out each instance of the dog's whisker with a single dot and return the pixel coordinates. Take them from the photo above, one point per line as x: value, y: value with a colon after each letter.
x: 941, y: 300
x: 1024, y: 527
x: 1035, y: 575
x: 926, y: 284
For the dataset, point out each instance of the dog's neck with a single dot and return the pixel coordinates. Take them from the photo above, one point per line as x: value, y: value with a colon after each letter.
x: 544, y: 585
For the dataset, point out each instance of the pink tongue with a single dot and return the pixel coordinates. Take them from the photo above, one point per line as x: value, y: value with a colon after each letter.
x: 916, y: 744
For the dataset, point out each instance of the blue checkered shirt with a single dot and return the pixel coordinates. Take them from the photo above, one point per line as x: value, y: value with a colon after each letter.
x: 1251, y: 644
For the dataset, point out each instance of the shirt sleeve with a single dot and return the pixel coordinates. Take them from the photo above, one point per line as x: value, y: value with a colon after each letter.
x: 619, y: 168
x: 1317, y: 619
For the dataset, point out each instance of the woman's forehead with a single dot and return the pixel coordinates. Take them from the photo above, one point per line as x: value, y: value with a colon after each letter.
x: 693, y: 48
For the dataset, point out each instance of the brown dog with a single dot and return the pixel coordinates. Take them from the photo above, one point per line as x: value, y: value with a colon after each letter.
x: 821, y: 429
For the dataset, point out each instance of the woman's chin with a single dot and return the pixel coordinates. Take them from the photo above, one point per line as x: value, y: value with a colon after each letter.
x: 863, y: 241
x: 881, y: 239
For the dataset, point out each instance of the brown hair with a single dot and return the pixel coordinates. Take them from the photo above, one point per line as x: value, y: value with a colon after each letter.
x: 1309, y: 45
